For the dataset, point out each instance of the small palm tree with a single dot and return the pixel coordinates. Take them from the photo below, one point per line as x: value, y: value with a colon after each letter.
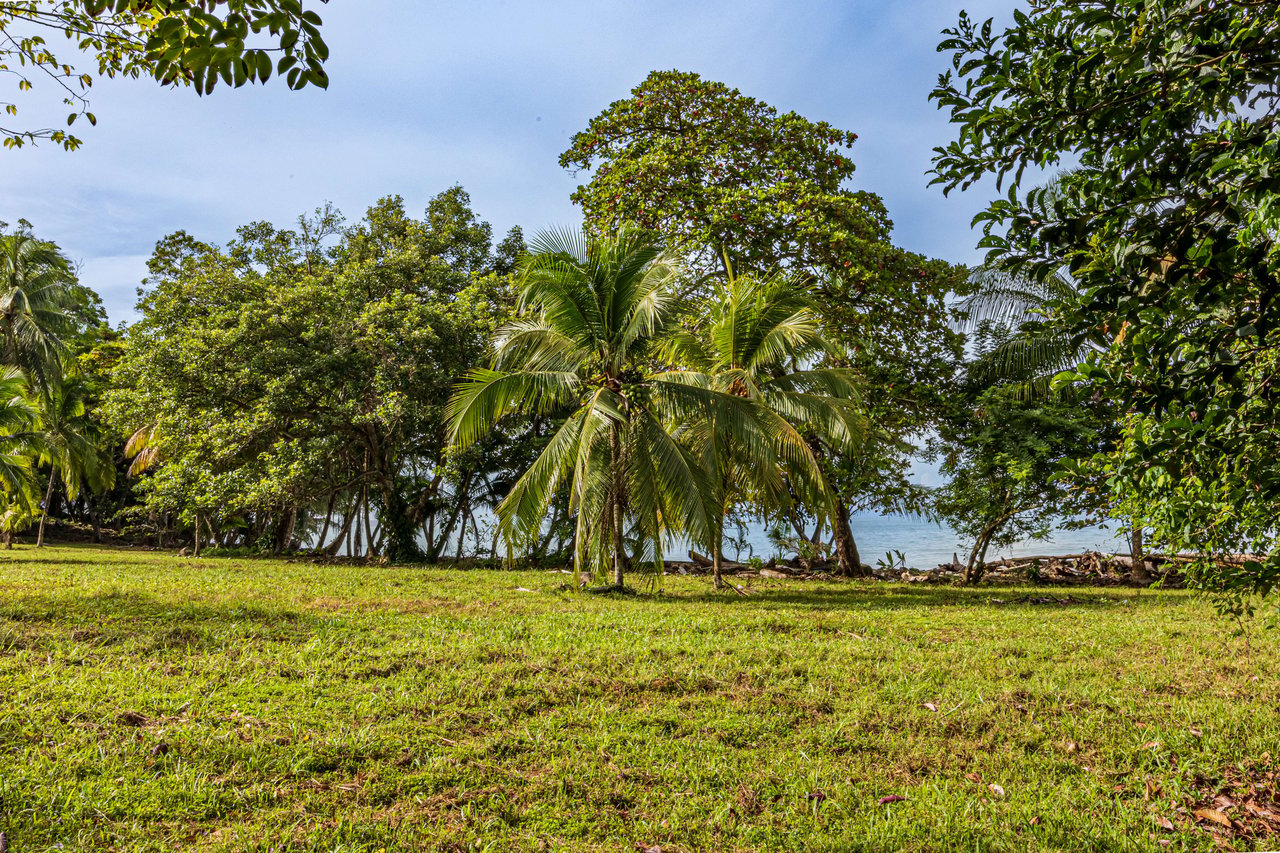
x: 34, y: 299
x: 754, y: 337
x: 69, y: 444
x: 584, y: 346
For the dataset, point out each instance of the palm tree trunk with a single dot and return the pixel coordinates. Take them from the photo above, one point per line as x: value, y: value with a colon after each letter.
x: 617, y: 543
x: 195, y: 550
x: 44, y: 514
x: 616, y: 460
x: 717, y: 552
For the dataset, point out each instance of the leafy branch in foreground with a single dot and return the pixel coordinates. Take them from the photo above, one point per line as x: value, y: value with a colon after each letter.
x: 176, y: 42
x: 1170, y: 227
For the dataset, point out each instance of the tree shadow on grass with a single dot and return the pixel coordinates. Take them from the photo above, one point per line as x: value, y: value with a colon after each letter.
x: 114, y: 616
x: 861, y: 596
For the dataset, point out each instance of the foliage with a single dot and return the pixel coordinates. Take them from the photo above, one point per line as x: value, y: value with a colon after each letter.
x: 1002, y: 455
x: 38, y: 293
x: 756, y: 337
x: 296, y: 377
x: 722, y: 176
x: 584, y: 346
x: 1168, y: 226
x: 176, y: 42
x: 17, y: 418
x: 733, y: 185
x: 407, y: 709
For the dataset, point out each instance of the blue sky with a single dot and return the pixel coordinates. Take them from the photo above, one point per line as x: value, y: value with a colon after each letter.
x: 484, y: 94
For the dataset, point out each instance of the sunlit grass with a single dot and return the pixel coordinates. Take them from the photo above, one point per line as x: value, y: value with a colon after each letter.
x: 149, y: 702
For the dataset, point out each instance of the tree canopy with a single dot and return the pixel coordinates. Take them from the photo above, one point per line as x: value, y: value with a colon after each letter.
x: 736, y: 186
x: 298, y: 370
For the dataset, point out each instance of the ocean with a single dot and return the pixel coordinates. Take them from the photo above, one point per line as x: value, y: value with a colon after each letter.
x: 925, y: 544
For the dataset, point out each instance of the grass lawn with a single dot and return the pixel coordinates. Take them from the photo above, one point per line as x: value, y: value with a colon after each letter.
x: 149, y: 702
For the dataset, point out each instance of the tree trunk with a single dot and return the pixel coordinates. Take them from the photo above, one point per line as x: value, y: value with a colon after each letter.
x: 462, y: 538
x: 44, y: 514
x: 8, y: 539
x: 618, y: 568
x: 368, y: 525
x: 848, y: 560
x: 93, y: 519
x: 357, y: 549
x: 1138, y: 574
x: 977, y: 557
x: 717, y: 557
x: 619, y: 564
x: 336, y: 545
x: 328, y: 520
x: 195, y: 547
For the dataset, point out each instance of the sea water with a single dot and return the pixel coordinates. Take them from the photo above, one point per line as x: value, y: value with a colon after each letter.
x: 926, y: 544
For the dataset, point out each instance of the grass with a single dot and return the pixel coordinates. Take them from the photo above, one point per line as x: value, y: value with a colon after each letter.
x: 149, y: 702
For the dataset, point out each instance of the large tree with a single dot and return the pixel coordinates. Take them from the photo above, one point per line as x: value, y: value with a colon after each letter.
x: 194, y: 43
x: 1168, y: 225
x: 301, y: 375
x: 735, y: 185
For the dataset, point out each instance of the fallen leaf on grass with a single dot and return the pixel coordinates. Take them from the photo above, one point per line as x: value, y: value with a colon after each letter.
x: 929, y: 706
x: 974, y: 777
x: 1151, y: 744
x: 1196, y: 732
x: 996, y: 789
x: 1035, y: 821
x: 1213, y: 815
x: 817, y: 796
x: 892, y: 798
x: 1164, y: 823
x: 654, y: 849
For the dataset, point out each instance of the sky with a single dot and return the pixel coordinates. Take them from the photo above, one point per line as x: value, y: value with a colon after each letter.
x: 485, y: 94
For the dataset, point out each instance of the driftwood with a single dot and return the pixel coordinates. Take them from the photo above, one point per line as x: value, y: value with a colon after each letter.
x: 705, y: 562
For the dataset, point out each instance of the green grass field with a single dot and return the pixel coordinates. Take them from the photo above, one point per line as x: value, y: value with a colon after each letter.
x: 149, y: 702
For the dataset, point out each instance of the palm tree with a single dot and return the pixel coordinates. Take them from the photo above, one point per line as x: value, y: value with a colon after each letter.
x: 34, y: 298
x: 68, y: 444
x: 17, y: 416
x: 592, y: 313
x: 1013, y: 316
x: 753, y: 337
